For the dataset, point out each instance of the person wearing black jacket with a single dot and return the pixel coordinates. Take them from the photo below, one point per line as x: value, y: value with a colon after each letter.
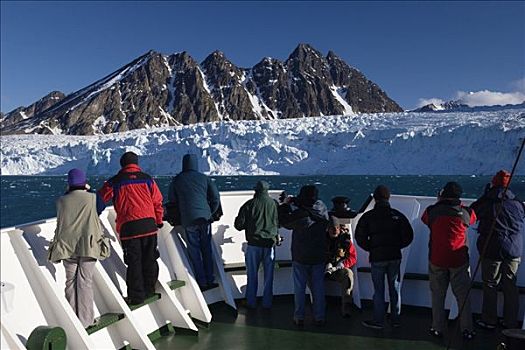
x: 383, y: 232
x: 308, y: 218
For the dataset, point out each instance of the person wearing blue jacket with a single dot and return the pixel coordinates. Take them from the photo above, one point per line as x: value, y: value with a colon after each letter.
x: 504, y: 247
x: 197, y: 199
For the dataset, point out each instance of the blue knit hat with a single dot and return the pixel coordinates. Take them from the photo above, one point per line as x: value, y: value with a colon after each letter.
x: 76, y: 178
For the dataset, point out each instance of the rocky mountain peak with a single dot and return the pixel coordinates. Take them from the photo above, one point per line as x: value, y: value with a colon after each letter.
x: 164, y: 90
x: 22, y: 114
x: 305, y: 57
x: 216, y: 58
x: 332, y: 56
x: 220, y: 70
x: 304, y: 51
x: 460, y: 106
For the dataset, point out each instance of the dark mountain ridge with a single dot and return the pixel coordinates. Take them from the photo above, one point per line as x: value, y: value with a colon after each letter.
x: 157, y: 90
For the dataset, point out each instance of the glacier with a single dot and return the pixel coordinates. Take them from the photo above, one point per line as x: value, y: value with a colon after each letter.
x: 407, y: 143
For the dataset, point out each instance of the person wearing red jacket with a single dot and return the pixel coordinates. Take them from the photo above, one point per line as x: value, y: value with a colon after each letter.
x: 448, y: 221
x: 138, y: 205
x: 341, y: 257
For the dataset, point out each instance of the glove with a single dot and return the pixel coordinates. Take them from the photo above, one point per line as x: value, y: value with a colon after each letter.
x: 160, y: 225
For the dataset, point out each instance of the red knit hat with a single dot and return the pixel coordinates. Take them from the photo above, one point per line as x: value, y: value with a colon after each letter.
x: 501, y: 179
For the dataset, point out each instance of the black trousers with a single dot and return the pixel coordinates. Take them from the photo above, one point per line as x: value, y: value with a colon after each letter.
x: 141, y: 254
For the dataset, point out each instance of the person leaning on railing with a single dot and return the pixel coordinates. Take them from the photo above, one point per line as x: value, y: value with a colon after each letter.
x: 197, y: 200
x: 138, y: 204
x: 307, y: 217
x: 79, y: 242
x: 258, y: 217
x: 502, y: 257
x: 383, y: 232
x: 448, y: 221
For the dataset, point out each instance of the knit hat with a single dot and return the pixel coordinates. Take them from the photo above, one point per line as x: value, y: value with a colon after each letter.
x: 340, y: 200
x: 381, y: 193
x: 501, y: 179
x: 76, y: 178
x: 333, y: 221
x: 451, y: 190
x: 129, y: 158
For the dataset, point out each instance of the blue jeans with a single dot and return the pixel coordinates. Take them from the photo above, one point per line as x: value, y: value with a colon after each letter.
x: 314, y: 276
x: 391, y: 270
x: 199, y: 251
x: 254, y: 256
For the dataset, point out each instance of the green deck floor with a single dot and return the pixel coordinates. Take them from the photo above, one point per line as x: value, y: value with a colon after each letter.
x: 272, y: 330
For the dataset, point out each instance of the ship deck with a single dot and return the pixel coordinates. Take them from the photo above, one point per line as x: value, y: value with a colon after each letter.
x: 274, y: 329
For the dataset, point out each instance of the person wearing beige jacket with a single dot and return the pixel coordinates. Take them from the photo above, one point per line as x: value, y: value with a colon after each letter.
x: 79, y: 243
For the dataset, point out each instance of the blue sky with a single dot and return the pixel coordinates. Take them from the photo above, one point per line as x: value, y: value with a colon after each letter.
x: 413, y: 50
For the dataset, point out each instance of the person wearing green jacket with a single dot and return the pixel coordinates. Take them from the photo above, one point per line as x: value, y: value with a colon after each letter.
x: 79, y: 243
x: 258, y: 217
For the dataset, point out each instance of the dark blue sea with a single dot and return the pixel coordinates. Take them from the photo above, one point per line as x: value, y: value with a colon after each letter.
x: 30, y: 198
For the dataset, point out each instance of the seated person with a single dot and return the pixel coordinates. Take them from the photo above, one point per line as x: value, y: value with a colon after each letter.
x: 341, y: 256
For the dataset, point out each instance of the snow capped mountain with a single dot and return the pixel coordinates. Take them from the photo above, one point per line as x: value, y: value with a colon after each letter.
x: 459, y: 106
x: 158, y: 90
x: 390, y: 143
x: 24, y: 113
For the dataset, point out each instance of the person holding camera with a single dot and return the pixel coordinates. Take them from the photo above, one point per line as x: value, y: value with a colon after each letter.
x: 258, y: 218
x: 500, y: 244
x: 341, y: 211
x: 341, y: 257
x: 307, y: 217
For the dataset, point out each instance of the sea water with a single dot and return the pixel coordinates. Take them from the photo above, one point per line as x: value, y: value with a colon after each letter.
x: 30, y: 198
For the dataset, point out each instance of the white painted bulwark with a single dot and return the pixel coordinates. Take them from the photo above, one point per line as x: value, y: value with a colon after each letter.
x: 33, y: 288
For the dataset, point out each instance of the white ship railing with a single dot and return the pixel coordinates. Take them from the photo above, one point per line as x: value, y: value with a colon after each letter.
x: 33, y: 288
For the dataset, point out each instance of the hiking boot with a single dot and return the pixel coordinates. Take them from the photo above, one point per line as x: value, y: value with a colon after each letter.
x: 468, y: 335
x: 244, y: 303
x: 372, y: 324
x: 345, y: 310
x: 131, y: 301
x: 482, y: 324
x: 319, y: 323
x: 502, y: 324
x: 209, y: 286
x: 298, y: 323
x: 212, y: 285
x: 435, y: 333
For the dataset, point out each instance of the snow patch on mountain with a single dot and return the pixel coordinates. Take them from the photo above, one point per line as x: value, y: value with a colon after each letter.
x: 391, y: 143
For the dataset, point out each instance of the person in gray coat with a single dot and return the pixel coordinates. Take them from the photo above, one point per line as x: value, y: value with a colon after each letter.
x: 78, y: 243
x: 197, y: 199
